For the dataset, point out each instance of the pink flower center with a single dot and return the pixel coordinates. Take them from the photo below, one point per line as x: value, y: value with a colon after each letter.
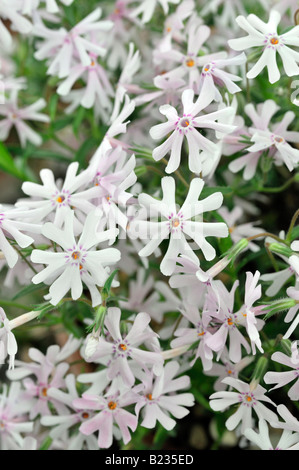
x: 185, y: 122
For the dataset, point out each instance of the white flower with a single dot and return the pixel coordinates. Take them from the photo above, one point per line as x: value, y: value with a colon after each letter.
x: 53, y: 200
x: 12, y: 226
x: 147, y: 8
x: 288, y: 440
x: 265, y: 35
x: 8, y: 343
x: 78, y: 262
x: 248, y: 401
x: 176, y: 223
x: 9, y: 9
x: 189, y: 125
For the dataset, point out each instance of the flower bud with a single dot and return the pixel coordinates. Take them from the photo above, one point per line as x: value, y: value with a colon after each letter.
x: 280, y: 249
x: 91, y: 346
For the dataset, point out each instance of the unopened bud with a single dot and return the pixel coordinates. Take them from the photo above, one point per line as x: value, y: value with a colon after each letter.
x: 91, y: 346
x: 235, y: 250
x: 286, y: 346
x: 278, y: 306
x: 280, y: 249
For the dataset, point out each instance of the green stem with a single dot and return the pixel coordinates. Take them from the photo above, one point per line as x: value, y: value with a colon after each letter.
x: 292, y: 224
x: 267, y: 234
x: 279, y: 189
x: 178, y: 173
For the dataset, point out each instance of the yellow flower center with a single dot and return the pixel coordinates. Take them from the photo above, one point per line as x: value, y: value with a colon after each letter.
x: 122, y: 347
x: 175, y: 223
x: 76, y: 255
x: 112, y: 405
x: 60, y: 199
x: 190, y: 63
x: 149, y: 396
x: 274, y: 41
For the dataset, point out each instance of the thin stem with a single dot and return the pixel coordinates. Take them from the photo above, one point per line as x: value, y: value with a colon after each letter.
x: 155, y: 170
x: 279, y: 189
x: 267, y: 234
x: 178, y: 173
x: 25, y: 259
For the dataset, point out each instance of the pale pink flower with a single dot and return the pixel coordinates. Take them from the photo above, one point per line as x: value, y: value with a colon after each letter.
x: 214, y: 77
x: 61, y: 46
x: 199, y: 331
x: 159, y: 398
x: 226, y: 368
x: 97, y: 88
x: 43, y: 372
x: 13, y: 116
x: 113, y: 174
x: 271, y: 137
x: 276, y: 141
x: 72, y: 419
x: 174, y: 28
x: 248, y: 401
x: 248, y: 313
x: 228, y: 324
x: 238, y: 231
x: 145, y: 296
x: 177, y: 223
x: 266, y: 36
x: 123, y: 350
x: 188, y: 125
x: 13, y: 417
x: 109, y: 410
x: 190, y: 63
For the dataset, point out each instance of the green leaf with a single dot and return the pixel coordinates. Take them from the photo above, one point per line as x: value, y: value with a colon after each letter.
x: 8, y: 165
x: 53, y: 102
x: 108, y: 284
x: 78, y: 120
x: 26, y: 290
